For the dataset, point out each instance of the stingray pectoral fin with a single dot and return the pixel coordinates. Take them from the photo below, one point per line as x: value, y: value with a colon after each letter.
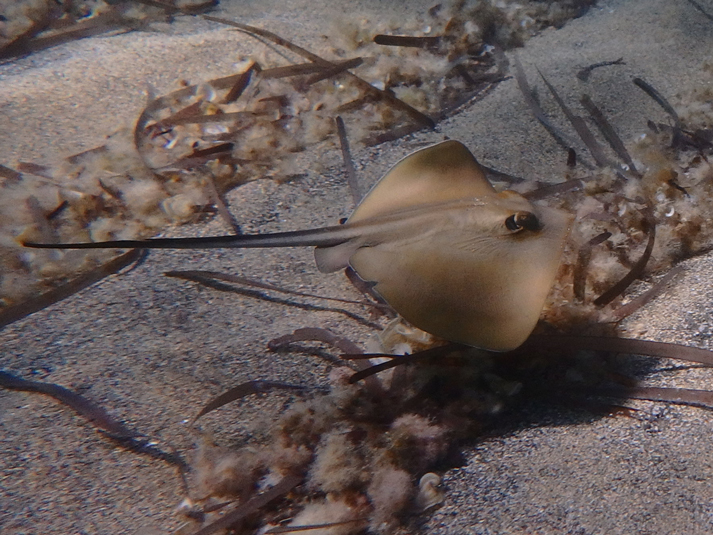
x: 440, y: 173
x: 330, y: 259
x: 478, y: 289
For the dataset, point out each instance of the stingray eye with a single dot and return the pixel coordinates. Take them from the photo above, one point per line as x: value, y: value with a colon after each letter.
x: 522, y: 220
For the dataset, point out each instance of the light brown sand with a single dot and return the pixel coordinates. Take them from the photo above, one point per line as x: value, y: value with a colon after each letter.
x: 153, y: 349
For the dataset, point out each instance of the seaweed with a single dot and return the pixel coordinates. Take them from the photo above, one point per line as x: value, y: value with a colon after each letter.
x: 34, y: 169
x: 290, y: 529
x: 348, y: 163
x: 242, y: 81
x: 659, y: 99
x: 579, y: 278
x: 535, y: 108
x: 408, y: 41
x: 571, y: 158
x: 584, y: 73
x: 628, y: 346
x: 580, y: 127
x: 643, y: 299
x: 679, y: 396
x: 57, y: 27
x: 14, y: 313
x: 246, y: 389
x: 422, y: 119
x: 112, y: 428
x: 41, y: 221
x: 10, y: 174
x: 637, y: 269
x: 609, y: 133
x: 220, y: 203
x: 398, y: 360
x: 331, y: 72
x: 551, y: 190
x: 231, y: 518
x: 78, y: 157
x: 314, y: 334
x: 299, y: 69
x: 96, y: 415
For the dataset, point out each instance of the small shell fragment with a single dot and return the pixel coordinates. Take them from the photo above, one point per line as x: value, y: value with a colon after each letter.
x: 429, y: 492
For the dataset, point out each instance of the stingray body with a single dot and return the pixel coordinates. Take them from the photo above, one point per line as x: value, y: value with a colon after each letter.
x: 450, y: 254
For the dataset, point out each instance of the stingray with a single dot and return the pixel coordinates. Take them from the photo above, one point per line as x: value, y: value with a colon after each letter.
x: 448, y: 252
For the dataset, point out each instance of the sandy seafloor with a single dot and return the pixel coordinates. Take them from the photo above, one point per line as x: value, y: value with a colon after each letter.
x: 152, y: 349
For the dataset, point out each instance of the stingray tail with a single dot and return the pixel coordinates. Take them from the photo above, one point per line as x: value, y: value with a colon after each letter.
x: 323, y: 237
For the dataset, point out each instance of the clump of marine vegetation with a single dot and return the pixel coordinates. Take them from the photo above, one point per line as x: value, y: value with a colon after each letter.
x: 359, y: 455
x: 28, y: 26
x: 187, y: 148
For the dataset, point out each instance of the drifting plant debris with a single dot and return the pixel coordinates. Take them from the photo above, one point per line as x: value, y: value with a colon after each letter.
x: 608, y: 132
x: 405, y: 40
x: 568, y: 345
x: 631, y: 203
x: 25, y: 308
x: 679, y: 396
x: 396, y: 360
x: 10, y: 174
x: 659, y: 98
x: 621, y: 345
x: 246, y: 389
x: 323, y: 335
x: 290, y: 529
x: 637, y: 270
x: 636, y: 303
x: 348, y: 163
x: 535, y: 107
x: 579, y: 126
x: 585, y: 72
x: 359, y: 445
x: 94, y: 414
x: 313, y: 334
x: 235, y: 516
x: 82, y: 406
x: 30, y: 26
x: 579, y: 278
x: 418, y: 116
